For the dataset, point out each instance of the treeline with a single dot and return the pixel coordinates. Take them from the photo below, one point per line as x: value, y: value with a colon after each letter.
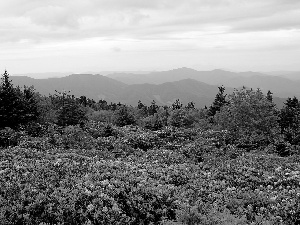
x: 249, y: 117
x: 22, y: 107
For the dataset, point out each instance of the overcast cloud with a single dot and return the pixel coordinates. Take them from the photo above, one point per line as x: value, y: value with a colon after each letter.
x: 95, y: 35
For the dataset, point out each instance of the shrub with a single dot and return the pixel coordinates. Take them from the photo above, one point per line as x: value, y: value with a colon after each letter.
x: 71, y: 114
x: 248, y: 113
x: 181, y: 118
x: 104, y: 116
x: 122, y: 117
x: 76, y: 137
x: 36, y: 129
x: 10, y: 137
x: 153, y: 122
x: 99, y: 129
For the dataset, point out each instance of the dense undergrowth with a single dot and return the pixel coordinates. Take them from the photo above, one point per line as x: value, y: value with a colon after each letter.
x: 104, y: 174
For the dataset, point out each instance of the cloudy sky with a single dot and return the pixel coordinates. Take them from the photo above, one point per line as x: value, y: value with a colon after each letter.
x: 99, y: 35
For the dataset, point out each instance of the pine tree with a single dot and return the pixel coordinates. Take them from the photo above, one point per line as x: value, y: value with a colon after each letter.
x: 69, y: 110
x: 122, y: 117
x: 220, y: 100
x: 142, y: 110
x: 153, y: 108
x: 270, y: 96
x: 290, y: 120
x: 177, y: 104
x: 71, y: 114
x: 190, y: 105
x: 17, y: 107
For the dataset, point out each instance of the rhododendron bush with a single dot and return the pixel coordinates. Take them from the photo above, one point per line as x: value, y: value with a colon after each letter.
x: 103, y: 174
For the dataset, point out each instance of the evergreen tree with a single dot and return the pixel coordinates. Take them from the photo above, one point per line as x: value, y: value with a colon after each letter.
x: 270, y: 96
x: 17, y: 107
x: 220, y: 100
x: 164, y: 115
x: 153, y: 108
x: 140, y: 105
x: 122, y: 116
x: 142, y: 110
x: 71, y: 114
x: 30, y: 104
x: 177, y: 104
x: 289, y: 120
x: 190, y: 105
x: 69, y: 111
x: 83, y: 100
x: 102, y: 104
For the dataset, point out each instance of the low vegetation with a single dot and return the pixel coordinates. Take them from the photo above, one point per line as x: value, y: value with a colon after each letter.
x: 69, y: 160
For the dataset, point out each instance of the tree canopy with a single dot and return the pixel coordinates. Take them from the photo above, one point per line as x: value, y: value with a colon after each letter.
x: 17, y: 106
x: 248, y: 113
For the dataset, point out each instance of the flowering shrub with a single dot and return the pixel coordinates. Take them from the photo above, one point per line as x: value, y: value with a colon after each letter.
x: 76, y: 175
x: 9, y: 137
x: 153, y: 122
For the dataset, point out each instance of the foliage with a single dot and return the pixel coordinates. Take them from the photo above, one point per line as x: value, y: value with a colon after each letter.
x: 177, y: 168
x: 220, y: 100
x: 123, y: 116
x: 17, y: 107
x: 69, y: 112
x: 9, y: 137
x: 289, y: 121
x: 47, y: 110
x: 100, y: 116
x: 154, y: 122
x: 249, y: 117
x: 77, y: 184
x: 181, y: 118
x: 153, y: 108
x: 177, y: 104
x: 142, y: 110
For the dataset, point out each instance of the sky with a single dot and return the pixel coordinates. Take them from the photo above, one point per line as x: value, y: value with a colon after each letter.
x: 126, y: 35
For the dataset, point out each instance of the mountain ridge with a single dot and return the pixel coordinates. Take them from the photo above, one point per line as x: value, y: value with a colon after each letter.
x: 100, y: 87
x: 280, y: 86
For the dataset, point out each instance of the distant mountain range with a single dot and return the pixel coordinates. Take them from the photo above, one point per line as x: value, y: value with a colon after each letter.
x: 45, y: 75
x: 214, y: 77
x: 100, y: 87
x: 164, y: 87
x: 292, y: 75
x: 280, y: 86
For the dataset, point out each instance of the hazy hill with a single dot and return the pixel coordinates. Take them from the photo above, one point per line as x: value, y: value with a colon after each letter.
x: 100, y: 87
x: 44, y: 75
x: 292, y: 75
x: 165, y: 94
x: 280, y: 86
x: 92, y: 86
x: 213, y: 77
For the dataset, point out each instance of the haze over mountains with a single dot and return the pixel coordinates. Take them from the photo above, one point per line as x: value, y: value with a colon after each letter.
x: 45, y: 75
x: 163, y: 87
x: 292, y: 75
x: 280, y: 86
